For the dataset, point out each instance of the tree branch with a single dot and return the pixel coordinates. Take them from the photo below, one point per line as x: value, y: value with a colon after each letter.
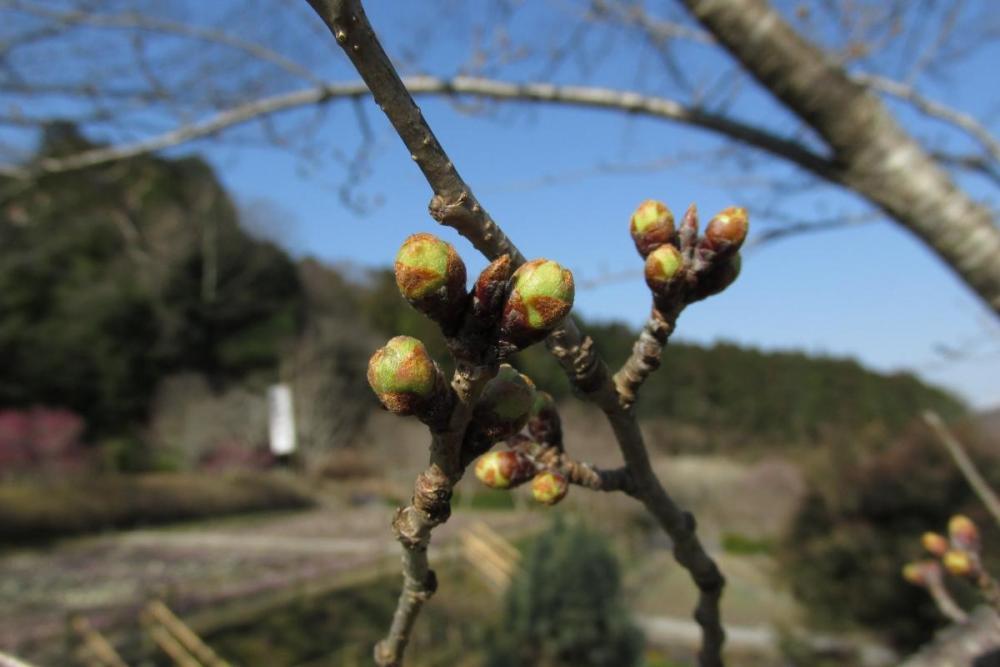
x: 964, y: 463
x: 877, y: 158
x: 454, y: 204
x: 580, y: 96
x: 934, y: 109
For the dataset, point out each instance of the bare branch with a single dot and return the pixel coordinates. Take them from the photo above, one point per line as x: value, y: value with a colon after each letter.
x: 934, y: 109
x: 943, y: 599
x: 454, y: 204
x: 964, y: 463
x: 581, y: 96
x: 137, y: 21
x: 877, y: 158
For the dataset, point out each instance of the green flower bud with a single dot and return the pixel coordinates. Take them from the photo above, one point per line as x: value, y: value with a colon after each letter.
x: 403, y: 376
x: 549, y: 487
x: 662, y: 268
x: 726, y: 232
x: 544, y: 424
x: 652, y: 225
x: 503, y: 407
x: 490, y: 291
x: 541, y: 296
x: 504, y: 469
x: 431, y: 276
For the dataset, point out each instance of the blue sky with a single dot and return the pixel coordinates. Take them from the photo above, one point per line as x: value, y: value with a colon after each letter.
x: 871, y: 292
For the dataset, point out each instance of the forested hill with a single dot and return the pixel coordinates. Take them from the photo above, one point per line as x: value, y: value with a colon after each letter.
x: 115, y: 277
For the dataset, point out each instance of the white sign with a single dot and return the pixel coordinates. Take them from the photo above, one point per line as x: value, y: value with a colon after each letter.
x: 281, y: 419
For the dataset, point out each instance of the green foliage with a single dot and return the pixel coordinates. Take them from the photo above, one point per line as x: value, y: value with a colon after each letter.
x: 565, y: 608
x: 744, y: 545
x: 113, y: 276
x: 853, y: 534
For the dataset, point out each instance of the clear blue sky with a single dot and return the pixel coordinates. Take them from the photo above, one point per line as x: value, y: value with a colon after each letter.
x: 871, y: 292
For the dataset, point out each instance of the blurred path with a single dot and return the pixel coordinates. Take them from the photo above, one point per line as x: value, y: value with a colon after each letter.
x: 201, y: 569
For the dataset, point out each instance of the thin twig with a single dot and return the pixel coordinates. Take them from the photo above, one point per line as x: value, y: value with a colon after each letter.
x: 964, y: 463
x: 455, y: 205
x: 934, y: 109
x: 943, y: 599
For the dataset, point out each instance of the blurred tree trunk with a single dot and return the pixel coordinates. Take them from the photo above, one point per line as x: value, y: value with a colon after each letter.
x: 874, y: 156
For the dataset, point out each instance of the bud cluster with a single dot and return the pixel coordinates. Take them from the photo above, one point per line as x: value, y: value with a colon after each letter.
x: 680, y: 266
x: 958, y: 554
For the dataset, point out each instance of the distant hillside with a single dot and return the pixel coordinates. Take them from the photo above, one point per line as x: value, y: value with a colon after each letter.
x: 115, y: 277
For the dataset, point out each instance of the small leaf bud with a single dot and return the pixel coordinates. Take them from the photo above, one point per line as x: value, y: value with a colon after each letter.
x: 663, y: 266
x: 403, y: 376
x: 503, y: 407
x: 549, y: 487
x: 935, y: 543
x: 541, y: 296
x: 544, y: 424
x: 959, y: 563
x: 490, y: 290
x: 504, y: 469
x: 652, y: 225
x: 431, y: 276
x: 963, y: 532
x: 726, y: 232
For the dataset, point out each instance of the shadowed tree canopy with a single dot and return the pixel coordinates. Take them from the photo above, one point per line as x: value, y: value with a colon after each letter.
x: 112, y: 276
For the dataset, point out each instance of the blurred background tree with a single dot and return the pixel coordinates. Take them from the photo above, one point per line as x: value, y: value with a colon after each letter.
x: 566, y: 608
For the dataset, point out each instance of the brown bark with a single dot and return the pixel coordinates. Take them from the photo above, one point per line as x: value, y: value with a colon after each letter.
x: 874, y: 155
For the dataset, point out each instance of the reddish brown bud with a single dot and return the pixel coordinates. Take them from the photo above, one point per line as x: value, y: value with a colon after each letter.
x: 544, y: 424
x: 663, y: 267
x: 549, y: 487
x: 687, y: 234
x: 541, y: 296
x: 504, y: 469
x: 490, y: 291
x: 963, y: 532
x: 935, y: 543
x: 431, y: 276
x: 503, y: 407
x: 651, y: 226
x: 726, y: 232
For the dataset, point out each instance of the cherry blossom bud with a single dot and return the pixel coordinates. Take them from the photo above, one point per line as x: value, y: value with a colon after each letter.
x: 652, y: 225
x: 504, y: 469
x: 726, y: 232
x: 935, y: 543
x: 959, y: 563
x: 663, y: 266
x: 963, y: 532
x: 541, y: 296
x: 549, y: 487
x: 403, y: 376
x: 431, y: 276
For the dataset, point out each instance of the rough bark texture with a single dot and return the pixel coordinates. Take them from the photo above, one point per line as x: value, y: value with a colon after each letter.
x: 873, y: 154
